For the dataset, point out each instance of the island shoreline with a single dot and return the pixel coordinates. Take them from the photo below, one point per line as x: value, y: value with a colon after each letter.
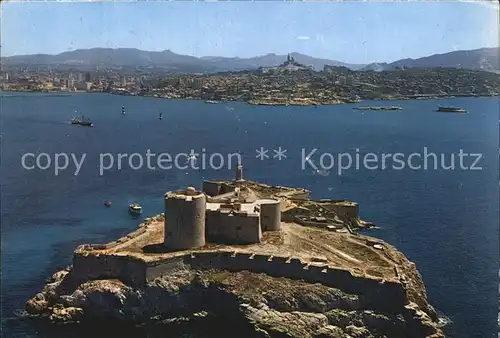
x: 270, y: 104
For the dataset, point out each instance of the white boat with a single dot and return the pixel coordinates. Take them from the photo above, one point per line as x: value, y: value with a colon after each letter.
x: 135, y: 209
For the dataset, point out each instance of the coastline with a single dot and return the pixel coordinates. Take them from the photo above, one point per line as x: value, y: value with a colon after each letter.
x: 306, y: 102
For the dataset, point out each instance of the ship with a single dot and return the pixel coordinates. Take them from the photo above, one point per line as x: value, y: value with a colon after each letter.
x: 160, y: 117
x: 123, y: 110
x: 82, y: 121
x: 451, y: 110
x: 211, y: 102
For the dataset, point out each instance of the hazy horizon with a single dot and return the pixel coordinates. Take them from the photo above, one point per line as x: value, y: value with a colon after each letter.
x: 350, y: 32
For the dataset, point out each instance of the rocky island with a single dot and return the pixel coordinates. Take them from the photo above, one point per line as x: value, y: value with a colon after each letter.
x: 268, y: 259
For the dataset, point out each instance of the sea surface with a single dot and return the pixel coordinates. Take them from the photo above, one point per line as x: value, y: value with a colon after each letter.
x: 445, y: 220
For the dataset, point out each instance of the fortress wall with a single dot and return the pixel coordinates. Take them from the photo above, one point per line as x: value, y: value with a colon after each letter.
x: 303, y: 222
x: 237, y: 227
x: 136, y: 233
x: 206, y: 260
x: 128, y: 269
x: 226, y: 188
x: 386, y: 295
x: 300, y: 195
x: 345, y: 212
x: 211, y: 188
x: 289, y: 215
x: 97, y: 247
x: 90, y: 247
x: 164, y: 267
x: 327, y: 200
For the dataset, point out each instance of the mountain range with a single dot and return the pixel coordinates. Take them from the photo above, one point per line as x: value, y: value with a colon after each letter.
x: 486, y: 59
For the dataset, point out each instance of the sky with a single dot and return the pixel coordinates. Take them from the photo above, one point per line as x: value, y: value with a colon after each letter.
x: 353, y: 32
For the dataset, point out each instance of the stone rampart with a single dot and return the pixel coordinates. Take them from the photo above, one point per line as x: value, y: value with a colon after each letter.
x: 299, y: 195
x: 91, y: 261
x: 346, y: 211
x: 216, y: 188
x: 92, y: 266
x: 375, y: 293
x: 164, y: 267
x: 99, y: 247
x: 389, y: 296
x: 321, y: 225
x: 290, y: 214
x: 211, y: 188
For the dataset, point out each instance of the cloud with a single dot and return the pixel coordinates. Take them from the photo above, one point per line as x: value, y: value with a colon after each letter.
x: 303, y: 38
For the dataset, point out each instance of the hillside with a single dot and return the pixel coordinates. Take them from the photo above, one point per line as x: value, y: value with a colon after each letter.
x: 486, y: 59
x: 134, y: 58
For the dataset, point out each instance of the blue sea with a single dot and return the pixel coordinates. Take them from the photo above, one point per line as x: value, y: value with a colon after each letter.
x: 445, y: 220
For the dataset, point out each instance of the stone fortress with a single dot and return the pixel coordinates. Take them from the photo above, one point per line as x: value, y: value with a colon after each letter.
x: 231, y: 212
x: 244, y: 225
x: 237, y: 216
x: 239, y: 225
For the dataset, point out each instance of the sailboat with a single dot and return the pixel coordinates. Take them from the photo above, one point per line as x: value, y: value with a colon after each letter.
x: 123, y: 110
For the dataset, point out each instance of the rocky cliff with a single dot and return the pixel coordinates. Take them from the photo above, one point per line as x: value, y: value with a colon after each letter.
x: 262, y: 305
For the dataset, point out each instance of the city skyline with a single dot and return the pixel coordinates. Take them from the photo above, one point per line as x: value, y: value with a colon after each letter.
x: 352, y: 32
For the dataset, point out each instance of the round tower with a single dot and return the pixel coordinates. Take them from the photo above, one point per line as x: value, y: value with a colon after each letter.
x: 184, y: 219
x: 270, y: 215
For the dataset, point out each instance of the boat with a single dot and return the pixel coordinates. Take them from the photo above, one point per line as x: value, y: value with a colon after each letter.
x: 211, y: 101
x: 135, y: 209
x: 123, y: 110
x: 160, y: 117
x: 451, y: 110
x: 107, y: 203
x: 82, y: 121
